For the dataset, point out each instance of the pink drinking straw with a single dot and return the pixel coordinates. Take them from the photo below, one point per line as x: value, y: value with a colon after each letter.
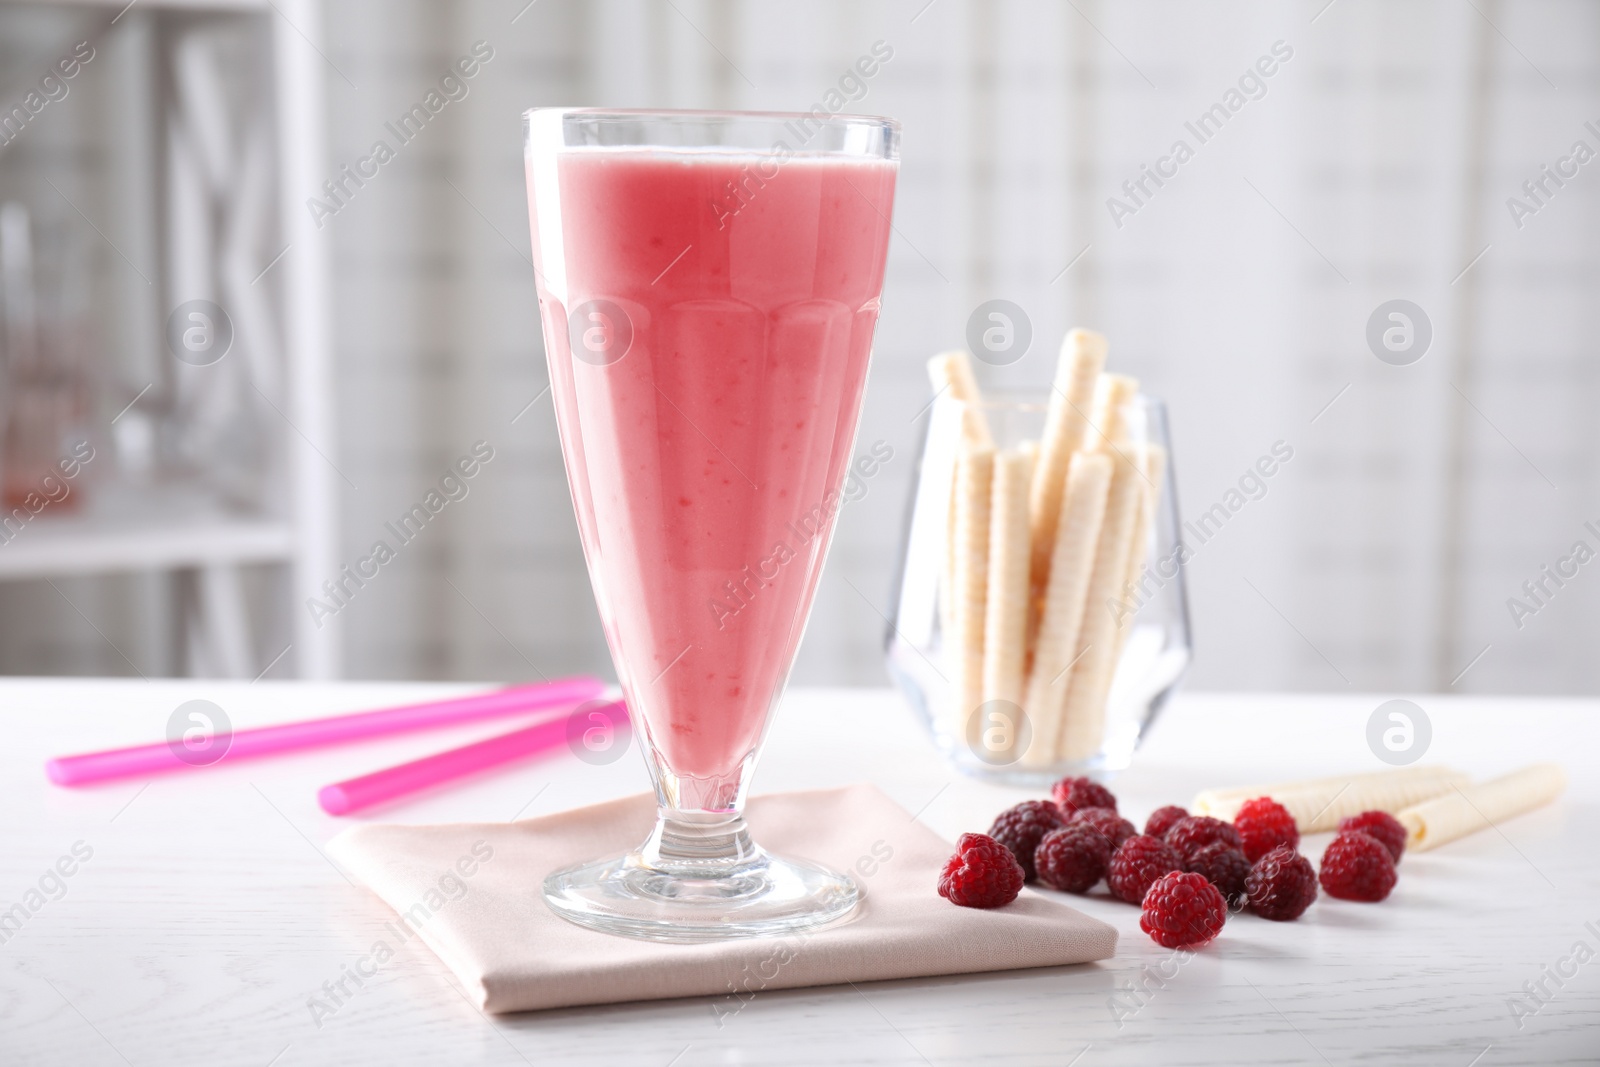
x: 315, y: 733
x: 354, y: 794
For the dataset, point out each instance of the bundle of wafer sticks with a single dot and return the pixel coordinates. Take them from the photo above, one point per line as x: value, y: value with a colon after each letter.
x: 1044, y: 540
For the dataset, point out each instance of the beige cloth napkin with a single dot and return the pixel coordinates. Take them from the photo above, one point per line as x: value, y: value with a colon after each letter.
x: 472, y: 893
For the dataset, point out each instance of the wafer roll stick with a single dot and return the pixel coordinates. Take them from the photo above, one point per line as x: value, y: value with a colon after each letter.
x: 1113, y: 393
x: 1467, y: 809
x: 1077, y: 536
x: 1083, y: 713
x: 974, y: 482
x: 1320, y: 806
x: 951, y: 372
x: 1006, y: 606
x: 1131, y: 594
x: 1032, y: 595
x: 1210, y: 801
x: 1083, y: 356
x: 1321, y: 810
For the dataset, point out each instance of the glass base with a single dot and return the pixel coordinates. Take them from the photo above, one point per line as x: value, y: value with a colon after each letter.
x: 727, y: 888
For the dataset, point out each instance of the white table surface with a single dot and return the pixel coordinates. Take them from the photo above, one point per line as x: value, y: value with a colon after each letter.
x: 208, y: 916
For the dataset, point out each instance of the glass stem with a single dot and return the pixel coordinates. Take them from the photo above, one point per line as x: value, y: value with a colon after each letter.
x: 699, y: 842
x: 700, y: 825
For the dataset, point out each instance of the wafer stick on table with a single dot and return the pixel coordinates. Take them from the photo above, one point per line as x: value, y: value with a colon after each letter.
x: 969, y: 586
x: 1006, y: 604
x: 1083, y: 356
x: 1214, y: 801
x: 1467, y: 809
x: 1319, y: 804
x: 1077, y: 535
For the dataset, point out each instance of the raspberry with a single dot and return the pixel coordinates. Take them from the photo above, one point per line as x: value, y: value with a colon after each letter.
x: 1381, y: 825
x: 1182, y: 911
x: 1022, y: 828
x: 1263, y: 825
x: 982, y: 874
x: 1281, y: 885
x: 1357, y: 867
x: 1105, y: 821
x: 1072, y: 859
x: 1224, y: 867
x: 1137, y: 864
x: 1162, y: 819
x: 1074, y: 793
x: 1192, y: 833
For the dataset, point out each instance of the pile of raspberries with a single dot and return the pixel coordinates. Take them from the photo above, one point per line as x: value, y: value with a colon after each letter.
x: 1185, y: 871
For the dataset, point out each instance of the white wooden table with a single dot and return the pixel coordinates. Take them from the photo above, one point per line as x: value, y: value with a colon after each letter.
x: 207, y: 915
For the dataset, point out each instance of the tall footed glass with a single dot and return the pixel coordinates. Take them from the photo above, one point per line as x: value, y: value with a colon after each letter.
x: 709, y: 286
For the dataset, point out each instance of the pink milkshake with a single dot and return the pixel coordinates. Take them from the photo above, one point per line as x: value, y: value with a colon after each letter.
x: 708, y: 318
x: 709, y: 286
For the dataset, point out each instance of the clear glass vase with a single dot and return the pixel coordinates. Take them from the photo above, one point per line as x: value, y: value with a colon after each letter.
x: 709, y: 286
x: 1141, y: 628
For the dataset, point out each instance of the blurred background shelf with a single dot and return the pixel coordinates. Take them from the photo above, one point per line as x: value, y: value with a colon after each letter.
x: 123, y: 528
x: 160, y: 152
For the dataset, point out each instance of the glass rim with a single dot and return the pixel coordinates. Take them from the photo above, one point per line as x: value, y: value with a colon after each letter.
x: 716, y: 115
x: 779, y: 135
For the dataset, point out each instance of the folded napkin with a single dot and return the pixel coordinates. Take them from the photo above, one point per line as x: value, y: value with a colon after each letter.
x: 472, y: 893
